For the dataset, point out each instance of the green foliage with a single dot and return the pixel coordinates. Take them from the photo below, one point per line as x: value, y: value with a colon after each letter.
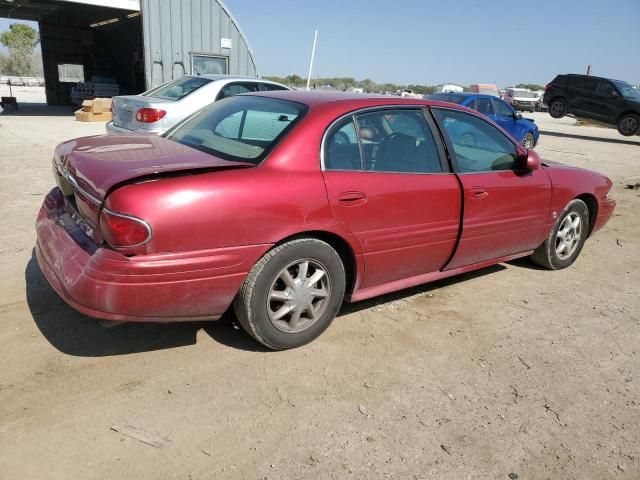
x: 345, y: 83
x: 20, y: 39
x: 530, y: 86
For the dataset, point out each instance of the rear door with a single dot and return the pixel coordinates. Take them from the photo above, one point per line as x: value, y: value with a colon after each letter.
x: 506, y: 208
x: 582, y: 101
x: 388, y: 183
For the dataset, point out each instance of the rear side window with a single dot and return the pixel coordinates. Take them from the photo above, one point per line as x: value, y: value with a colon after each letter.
x: 478, y: 145
x: 584, y: 83
x: 177, y: 89
x: 342, y: 151
x: 268, y: 87
x: 394, y: 141
x: 238, y: 88
x: 560, y: 80
x: 242, y: 128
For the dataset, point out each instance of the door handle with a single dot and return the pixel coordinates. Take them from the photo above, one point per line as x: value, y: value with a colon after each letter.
x: 478, y: 192
x: 352, y: 198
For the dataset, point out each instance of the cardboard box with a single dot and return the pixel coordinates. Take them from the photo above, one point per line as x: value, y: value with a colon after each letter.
x: 84, y: 116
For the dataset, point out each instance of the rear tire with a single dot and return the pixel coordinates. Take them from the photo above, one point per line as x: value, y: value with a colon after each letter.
x: 566, y: 239
x: 292, y: 294
x: 558, y: 108
x: 629, y: 125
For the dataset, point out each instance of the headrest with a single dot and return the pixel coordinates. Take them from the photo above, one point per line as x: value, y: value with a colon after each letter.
x: 368, y: 133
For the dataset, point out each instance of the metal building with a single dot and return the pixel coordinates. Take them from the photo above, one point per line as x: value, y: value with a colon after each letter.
x: 136, y: 44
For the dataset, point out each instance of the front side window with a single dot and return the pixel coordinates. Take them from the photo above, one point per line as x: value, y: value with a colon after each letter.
x: 177, y: 89
x: 479, y: 146
x: 627, y: 90
x: 502, y: 109
x: 483, y: 105
x: 239, y: 128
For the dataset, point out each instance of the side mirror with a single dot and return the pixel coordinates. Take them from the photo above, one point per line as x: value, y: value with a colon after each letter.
x: 518, y: 116
x: 532, y: 161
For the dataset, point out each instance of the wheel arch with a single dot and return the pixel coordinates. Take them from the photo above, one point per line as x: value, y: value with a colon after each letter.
x: 592, y: 204
x: 341, y: 245
x: 627, y: 112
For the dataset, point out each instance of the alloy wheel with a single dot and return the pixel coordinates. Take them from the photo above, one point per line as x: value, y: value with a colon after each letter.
x: 299, y: 295
x: 568, y: 236
x: 629, y: 125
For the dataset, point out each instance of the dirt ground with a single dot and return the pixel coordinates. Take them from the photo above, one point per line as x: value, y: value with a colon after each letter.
x: 509, y: 371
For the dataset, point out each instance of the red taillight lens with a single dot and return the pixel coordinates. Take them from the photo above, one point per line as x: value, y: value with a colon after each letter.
x: 120, y: 230
x: 149, y: 115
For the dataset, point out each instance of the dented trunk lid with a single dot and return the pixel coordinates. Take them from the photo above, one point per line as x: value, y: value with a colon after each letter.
x: 88, y: 168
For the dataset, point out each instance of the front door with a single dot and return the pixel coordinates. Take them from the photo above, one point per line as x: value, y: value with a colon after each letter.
x: 506, y: 208
x: 387, y: 182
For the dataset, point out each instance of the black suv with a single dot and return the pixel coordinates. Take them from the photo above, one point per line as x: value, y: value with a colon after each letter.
x: 612, y: 102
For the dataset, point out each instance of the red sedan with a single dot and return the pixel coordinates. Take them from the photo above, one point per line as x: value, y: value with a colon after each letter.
x: 286, y: 203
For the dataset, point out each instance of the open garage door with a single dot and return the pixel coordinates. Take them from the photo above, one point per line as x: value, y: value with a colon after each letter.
x: 128, y: 46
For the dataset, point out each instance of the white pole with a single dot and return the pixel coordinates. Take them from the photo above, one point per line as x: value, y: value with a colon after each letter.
x: 313, y: 52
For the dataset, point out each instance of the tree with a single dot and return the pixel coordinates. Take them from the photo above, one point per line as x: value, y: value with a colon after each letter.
x: 20, y: 39
x: 530, y: 86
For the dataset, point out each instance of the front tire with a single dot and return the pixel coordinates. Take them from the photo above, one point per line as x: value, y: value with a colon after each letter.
x: 566, y: 239
x: 529, y: 141
x: 629, y: 125
x: 292, y: 294
x: 558, y: 108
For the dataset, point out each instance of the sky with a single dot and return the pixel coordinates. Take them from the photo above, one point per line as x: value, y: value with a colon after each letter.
x: 432, y: 42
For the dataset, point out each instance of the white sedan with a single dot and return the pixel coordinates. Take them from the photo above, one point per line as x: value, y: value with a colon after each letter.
x: 158, y: 109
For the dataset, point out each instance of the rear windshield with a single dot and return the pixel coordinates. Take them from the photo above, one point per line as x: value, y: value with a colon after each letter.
x: 447, y: 97
x: 177, y: 89
x: 242, y: 128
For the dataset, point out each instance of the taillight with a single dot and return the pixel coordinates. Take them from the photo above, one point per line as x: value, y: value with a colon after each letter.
x: 122, y: 231
x: 149, y: 115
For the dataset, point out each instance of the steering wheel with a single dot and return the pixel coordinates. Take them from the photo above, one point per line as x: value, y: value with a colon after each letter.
x: 467, y: 139
x: 341, y: 138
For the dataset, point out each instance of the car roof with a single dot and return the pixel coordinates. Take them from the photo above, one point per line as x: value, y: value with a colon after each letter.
x: 359, y: 100
x: 581, y: 75
x: 221, y: 77
x: 466, y: 94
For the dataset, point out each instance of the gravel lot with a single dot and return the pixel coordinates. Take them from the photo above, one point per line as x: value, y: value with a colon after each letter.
x: 507, y: 371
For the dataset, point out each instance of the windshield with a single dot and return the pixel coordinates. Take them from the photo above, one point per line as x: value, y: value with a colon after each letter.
x: 523, y: 94
x: 241, y: 128
x: 627, y: 90
x: 177, y: 89
x: 447, y: 97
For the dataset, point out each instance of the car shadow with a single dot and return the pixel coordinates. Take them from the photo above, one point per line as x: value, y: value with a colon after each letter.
x: 28, y: 109
x: 594, y: 139
x: 76, y: 334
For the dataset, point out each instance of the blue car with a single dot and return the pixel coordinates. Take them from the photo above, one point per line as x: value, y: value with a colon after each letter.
x: 522, y: 129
